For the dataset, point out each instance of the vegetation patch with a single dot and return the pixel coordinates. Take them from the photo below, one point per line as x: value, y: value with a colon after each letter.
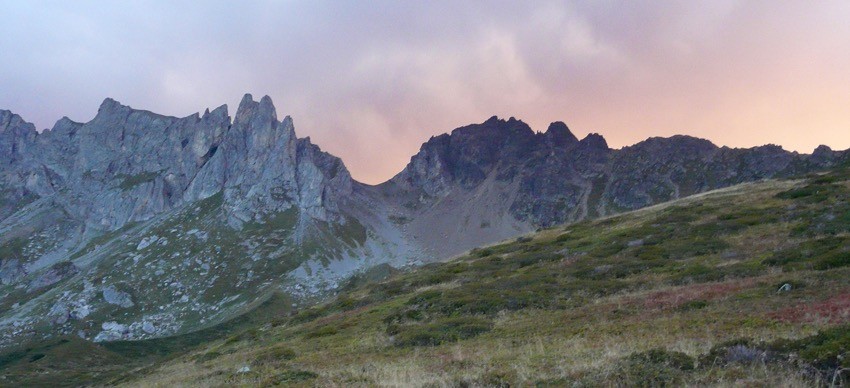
x: 819, y: 254
x: 275, y: 354
x: 694, y: 296
x: 441, y: 331
x: 128, y: 182
x: 653, y: 368
x: 568, y: 306
x: 835, y: 309
x: 289, y: 377
x: 322, y: 331
x: 826, y: 350
x: 825, y: 353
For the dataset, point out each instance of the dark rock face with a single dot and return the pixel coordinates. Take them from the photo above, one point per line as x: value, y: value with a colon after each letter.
x: 558, y: 135
x: 468, y: 155
x: 561, y: 179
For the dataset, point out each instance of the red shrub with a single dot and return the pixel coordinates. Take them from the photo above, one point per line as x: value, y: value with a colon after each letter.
x: 678, y: 296
x: 833, y: 310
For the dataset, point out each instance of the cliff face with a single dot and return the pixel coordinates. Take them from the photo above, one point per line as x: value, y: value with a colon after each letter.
x: 136, y: 225
x: 129, y: 165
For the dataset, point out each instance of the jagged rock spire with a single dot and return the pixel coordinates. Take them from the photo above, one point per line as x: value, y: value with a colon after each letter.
x: 559, y: 134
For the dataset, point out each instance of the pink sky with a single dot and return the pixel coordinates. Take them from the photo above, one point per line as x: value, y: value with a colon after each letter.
x: 371, y: 83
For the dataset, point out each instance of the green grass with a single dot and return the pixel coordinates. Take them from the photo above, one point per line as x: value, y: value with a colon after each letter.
x: 445, y: 330
x: 71, y: 360
x: 679, y: 294
x: 67, y: 361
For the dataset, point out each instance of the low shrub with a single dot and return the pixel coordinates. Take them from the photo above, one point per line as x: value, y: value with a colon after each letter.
x: 277, y: 353
x: 693, y: 305
x: 737, y: 351
x: 697, y: 273
x: 827, y: 350
x: 824, y: 253
x: 817, y: 191
x: 823, y: 353
x: 289, y: 377
x: 322, y: 331
x: 36, y: 357
x: 696, y: 245
x: 208, y: 356
x: 445, y: 330
x: 247, y: 335
x: 653, y: 368
x: 481, y: 252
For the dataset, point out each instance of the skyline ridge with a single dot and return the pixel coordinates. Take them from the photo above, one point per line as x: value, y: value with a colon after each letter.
x: 248, y: 97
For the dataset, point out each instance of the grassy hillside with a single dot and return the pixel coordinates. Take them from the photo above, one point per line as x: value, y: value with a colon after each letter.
x: 745, y: 285
x: 71, y: 361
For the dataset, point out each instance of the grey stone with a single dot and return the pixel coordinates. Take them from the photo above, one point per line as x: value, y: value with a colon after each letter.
x: 635, y: 243
x: 115, y: 297
x: 149, y: 328
x: 112, y: 331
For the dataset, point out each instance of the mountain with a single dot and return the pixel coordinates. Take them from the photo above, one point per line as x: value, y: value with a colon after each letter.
x: 136, y: 225
x: 497, y: 179
x: 745, y: 285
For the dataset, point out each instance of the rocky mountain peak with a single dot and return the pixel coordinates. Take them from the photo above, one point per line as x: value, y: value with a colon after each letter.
x: 111, y: 113
x: 254, y: 110
x: 63, y: 123
x: 679, y: 144
x: 11, y: 121
x: 262, y: 167
x: 594, y: 141
x: 822, y: 149
x: 220, y: 112
x: 558, y: 134
x: 824, y: 156
x: 16, y: 137
x: 467, y: 155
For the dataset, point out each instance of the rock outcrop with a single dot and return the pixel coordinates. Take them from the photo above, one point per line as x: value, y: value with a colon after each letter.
x: 263, y: 168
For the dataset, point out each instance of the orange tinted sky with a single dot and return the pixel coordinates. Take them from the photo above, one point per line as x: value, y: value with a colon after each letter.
x: 371, y: 83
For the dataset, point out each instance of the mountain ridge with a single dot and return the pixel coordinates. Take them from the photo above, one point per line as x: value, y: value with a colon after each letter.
x: 214, y: 212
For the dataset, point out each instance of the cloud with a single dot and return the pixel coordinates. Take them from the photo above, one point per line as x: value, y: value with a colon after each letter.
x: 370, y: 82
